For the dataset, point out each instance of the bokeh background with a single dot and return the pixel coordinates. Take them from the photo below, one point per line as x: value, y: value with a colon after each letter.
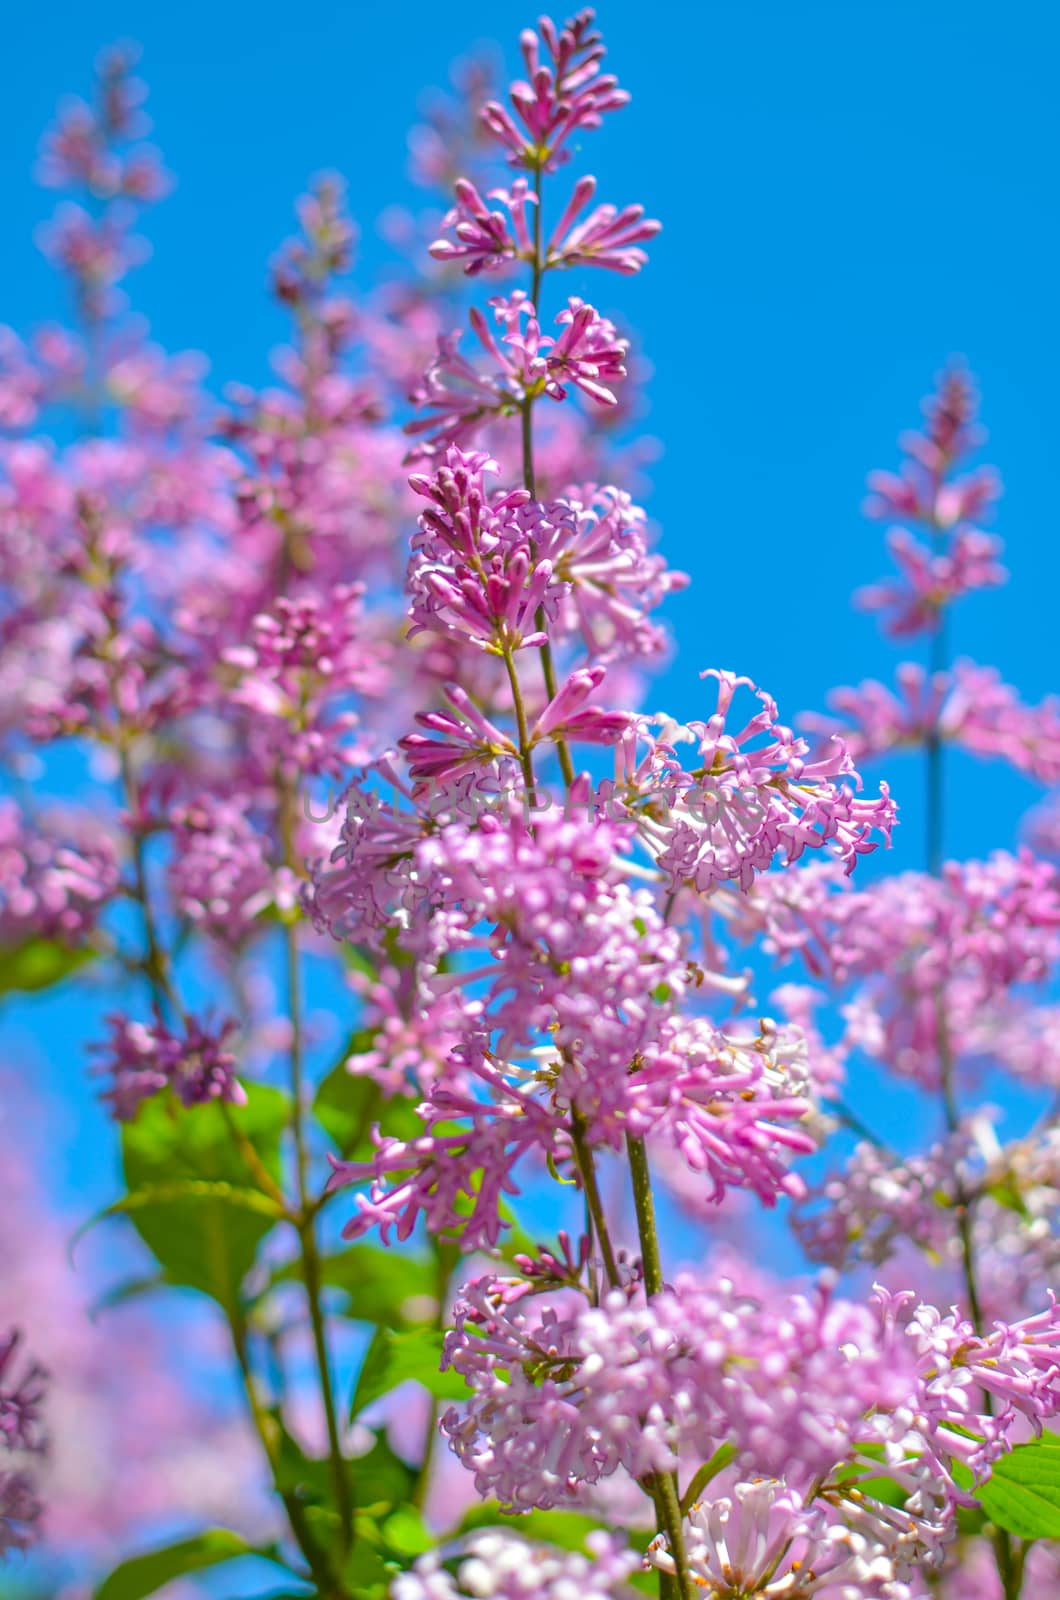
x: 850, y: 195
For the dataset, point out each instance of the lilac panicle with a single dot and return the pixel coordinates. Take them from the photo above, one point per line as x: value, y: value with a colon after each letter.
x: 141, y: 1059
x: 22, y: 1439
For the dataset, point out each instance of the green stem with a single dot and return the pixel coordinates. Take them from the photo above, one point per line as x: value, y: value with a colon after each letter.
x: 311, y: 1271
x: 262, y: 1176
x: 526, y: 760
x: 155, y: 962
x: 265, y: 1428
x: 1009, y: 1559
x: 446, y: 1257
x: 644, y: 1202
x: 587, y: 1172
x: 537, y: 267
x: 307, y: 1209
x: 934, y: 770
x: 662, y: 1485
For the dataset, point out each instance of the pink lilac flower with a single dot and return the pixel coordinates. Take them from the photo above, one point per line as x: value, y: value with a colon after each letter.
x: 295, y: 675
x: 483, y: 239
x: 57, y: 877
x: 452, y: 1180
x: 21, y: 1511
x: 565, y: 91
x: 970, y: 938
x: 144, y: 1058
x: 923, y: 492
x: 607, y: 237
x: 588, y: 354
x: 83, y: 147
x: 305, y: 265
x: 799, y: 1003
x: 763, y: 1541
x: 470, y: 740
x: 357, y: 893
x: 945, y: 1425
x: 734, y: 1108
x: 739, y: 809
x: 959, y: 557
x: 220, y: 874
x: 536, y: 1034
x: 929, y: 580
x: 562, y: 1396
x: 969, y: 707
x: 93, y: 150
x: 96, y: 253
x: 22, y: 1387
x: 456, y: 884
x: 483, y: 565
x: 119, y: 665
x: 881, y: 1202
x: 608, y: 579
x: 403, y: 1046
x: 474, y: 572
x: 22, y: 1390
x: 156, y: 392
x: 22, y: 385
x: 460, y: 398
x: 548, y: 958
x: 503, y: 1565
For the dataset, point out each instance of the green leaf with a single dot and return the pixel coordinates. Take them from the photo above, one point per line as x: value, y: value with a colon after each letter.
x: 146, y: 1574
x: 365, y: 1574
x: 206, y: 1189
x: 567, y: 1530
x: 1007, y: 1194
x: 359, y: 959
x: 38, y: 964
x: 405, y: 1533
x: 380, y: 1479
x: 380, y: 1285
x: 710, y: 1469
x: 128, y: 1289
x: 348, y: 1104
x: 644, y: 1582
x: 192, y: 1194
x: 395, y: 1358
x: 882, y: 1488
x: 1022, y: 1494
x: 307, y: 1478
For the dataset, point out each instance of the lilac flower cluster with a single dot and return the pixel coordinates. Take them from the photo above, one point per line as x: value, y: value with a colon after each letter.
x: 959, y: 557
x: 142, y: 1059
x: 504, y: 1565
x: 22, y: 1438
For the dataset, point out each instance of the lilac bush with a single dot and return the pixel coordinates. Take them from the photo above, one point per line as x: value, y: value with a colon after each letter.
x: 351, y: 1046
